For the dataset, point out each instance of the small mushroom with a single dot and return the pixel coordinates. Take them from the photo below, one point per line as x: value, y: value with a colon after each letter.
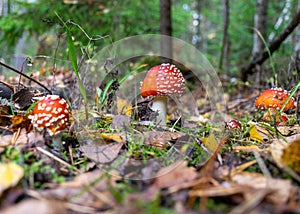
x: 274, y: 98
x: 160, y: 82
x: 51, y: 113
x: 233, y: 124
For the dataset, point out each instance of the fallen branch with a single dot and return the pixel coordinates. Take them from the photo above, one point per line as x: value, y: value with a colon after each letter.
x: 274, y: 45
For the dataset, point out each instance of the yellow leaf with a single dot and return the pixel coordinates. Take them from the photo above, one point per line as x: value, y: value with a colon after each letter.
x: 254, y: 134
x: 10, y: 174
x: 123, y: 107
x: 210, y: 142
x: 112, y: 137
x: 287, y: 154
x: 249, y: 148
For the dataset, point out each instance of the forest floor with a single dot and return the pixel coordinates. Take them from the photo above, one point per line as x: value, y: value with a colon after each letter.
x: 109, y: 161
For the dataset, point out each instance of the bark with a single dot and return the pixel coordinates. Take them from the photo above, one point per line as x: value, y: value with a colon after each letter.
x: 274, y: 45
x: 165, y: 29
x: 225, y: 45
x: 295, y: 64
x: 198, y: 32
x: 260, y: 24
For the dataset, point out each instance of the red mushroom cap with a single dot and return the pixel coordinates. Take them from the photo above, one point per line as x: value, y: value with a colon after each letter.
x: 234, y: 124
x: 52, y: 113
x: 163, y: 80
x: 274, y: 98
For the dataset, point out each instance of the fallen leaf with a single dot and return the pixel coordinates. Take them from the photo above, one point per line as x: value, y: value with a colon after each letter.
x: 289, y: 130
x: 21, y: 122
x: 281, y: 188
x: 121, y: 122
x: 174, y: 174
x: 22, y: 98
x: 115, y: 137
x: 90, y: 190
x: 33, y: 206
x: 198, y: 119
x: 217, y: 191
x: 224, y: 171
x: 151, y: 137
x: 249, y: 148
x: 101, y: 154
x: 10, y: 175
x: 210, y: 142
x: 17, y: 138
x: 257, y: 133
x: 123, y: 107
x: 273, y: 115
x: 287, y: 153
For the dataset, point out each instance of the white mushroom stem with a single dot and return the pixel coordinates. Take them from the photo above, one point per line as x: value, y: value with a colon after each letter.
x: 160, y: 106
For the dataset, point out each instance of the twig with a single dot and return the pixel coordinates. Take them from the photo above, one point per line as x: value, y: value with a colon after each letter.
x: 262, y: 164
x: 57, y: 159
x: 28, y: 77
x: 250, y: 204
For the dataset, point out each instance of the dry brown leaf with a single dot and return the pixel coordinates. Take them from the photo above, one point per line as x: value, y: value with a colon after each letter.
x: 34, y: 206
x: 280, y: 188
x: 289, y: 130
x: 21, y: 122
x: 35, y: 138
x: 220, y: 190
x: 121, y: 122
x: 17, y: 138
x: 149, y: 138
x: 198, y: 119
x: 91, y: 190
x: 102, y: 154
x: 225, y: 171
x: 175, y: 174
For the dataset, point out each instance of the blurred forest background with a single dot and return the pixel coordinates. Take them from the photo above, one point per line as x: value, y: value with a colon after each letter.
x: 232, y: 34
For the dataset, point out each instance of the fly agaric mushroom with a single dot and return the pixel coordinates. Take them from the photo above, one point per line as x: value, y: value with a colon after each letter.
x: 233, y: 124
x: 162, y: 81
x: 274, y: 98
x: 51, y: 113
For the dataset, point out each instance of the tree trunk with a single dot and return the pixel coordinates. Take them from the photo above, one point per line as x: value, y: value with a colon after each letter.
x: 274, y: 45
x: 296, y: 53
x: 260, y: 26
x: 166, y: 29
x: 198, y: 34
x: 225, y: 45
x: 295, y: 64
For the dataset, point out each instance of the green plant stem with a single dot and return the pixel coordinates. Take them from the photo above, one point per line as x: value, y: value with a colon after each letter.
x: 290, y: 96
x: 73, y: 58
x: 105, y: 91
x: 270, y: 56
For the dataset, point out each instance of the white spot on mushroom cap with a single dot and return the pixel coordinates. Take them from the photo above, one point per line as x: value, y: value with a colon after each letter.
x: 52, y: 113
x: 170, y: 78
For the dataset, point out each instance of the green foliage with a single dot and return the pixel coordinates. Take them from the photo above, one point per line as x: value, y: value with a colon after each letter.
x: 120, y: 19
x: 73, y: 59
x: 103, y: 94
x: 32, y: 166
